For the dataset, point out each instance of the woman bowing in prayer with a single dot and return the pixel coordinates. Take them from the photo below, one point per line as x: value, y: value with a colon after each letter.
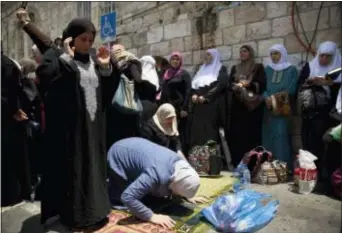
x: 162, y: 129
x: 148, y: 87
x: 208, y: 100
x: 246, y: 123
x: 281, y: 85
x: 176, y: 90
x: 74, y: 175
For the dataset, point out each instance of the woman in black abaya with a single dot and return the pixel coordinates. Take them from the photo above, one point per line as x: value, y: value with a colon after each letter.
x: 74, y: 175
x: 244, y: 133
x: 208, y: 111
x: 15, y: 167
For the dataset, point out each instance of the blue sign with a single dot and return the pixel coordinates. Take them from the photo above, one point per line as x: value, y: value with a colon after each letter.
x: 108, y: 26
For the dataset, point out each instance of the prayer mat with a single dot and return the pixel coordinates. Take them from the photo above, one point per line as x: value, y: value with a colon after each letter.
x: 187, y: 216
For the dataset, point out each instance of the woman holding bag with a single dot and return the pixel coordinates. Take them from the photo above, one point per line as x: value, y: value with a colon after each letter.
x: 281, y: 85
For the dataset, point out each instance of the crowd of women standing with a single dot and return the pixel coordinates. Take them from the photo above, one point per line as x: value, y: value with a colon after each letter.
x: 177, y: 111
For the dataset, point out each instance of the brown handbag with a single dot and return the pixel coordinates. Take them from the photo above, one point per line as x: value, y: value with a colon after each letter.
x: 281, y: 104
x: 249, y: 98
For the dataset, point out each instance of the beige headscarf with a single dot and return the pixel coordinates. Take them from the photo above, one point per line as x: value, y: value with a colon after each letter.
x: 120, y: 55
x: 245, y: 68
x: 185, y: 180
x: 166, y: 111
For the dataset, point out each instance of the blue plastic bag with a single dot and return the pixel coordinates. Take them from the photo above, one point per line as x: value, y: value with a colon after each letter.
x: 230, y: 212
x: 257, y: 219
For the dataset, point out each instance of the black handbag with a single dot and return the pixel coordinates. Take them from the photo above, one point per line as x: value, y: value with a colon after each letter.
x: 314, y: 99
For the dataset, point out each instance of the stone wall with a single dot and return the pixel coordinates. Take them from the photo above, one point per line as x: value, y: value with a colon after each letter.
x: 158, y: 28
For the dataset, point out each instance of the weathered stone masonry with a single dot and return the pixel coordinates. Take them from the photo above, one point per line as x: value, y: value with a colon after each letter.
x: 158, y: 28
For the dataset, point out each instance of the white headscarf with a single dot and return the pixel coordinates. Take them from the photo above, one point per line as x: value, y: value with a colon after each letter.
x: 316, y: 69
x: 208, y: 73
x: 185, y: 180
x: 149, y: 72
x: 166, y: 111
x: 283, y: 63
x: 327, y: 47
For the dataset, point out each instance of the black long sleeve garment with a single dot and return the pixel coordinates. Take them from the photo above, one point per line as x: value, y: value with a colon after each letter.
x: 150, y: 131
x: 177, y: 91
x: 74, y: 173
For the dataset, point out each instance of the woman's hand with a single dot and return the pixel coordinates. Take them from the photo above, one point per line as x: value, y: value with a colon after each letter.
x: 66, y: 47
x: 103, y: 56
x: 163, y: 220
x: 20, y: 115
x: 198, y: 200
x: 201, y: 99
x: 194, y: 99
x: 23, y: 16
x: 183, y: 114
x: 244, y: 83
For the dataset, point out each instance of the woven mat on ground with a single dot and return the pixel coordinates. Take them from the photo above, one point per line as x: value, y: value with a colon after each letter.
x: 186, y: 215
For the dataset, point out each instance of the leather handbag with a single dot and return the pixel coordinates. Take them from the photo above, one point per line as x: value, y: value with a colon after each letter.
x: 248, y: 97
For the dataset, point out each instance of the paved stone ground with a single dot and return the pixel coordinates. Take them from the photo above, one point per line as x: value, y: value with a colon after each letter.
x: 297, y: 214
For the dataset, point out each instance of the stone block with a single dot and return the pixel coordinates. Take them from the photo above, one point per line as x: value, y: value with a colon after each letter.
x: 335, y: 16
x: 125, y: 41
x: 161, y: 48
x: 250, y: 13
x: 134, y: 51
x: 133, y: 26
x: 234, y: 34
x: 192, y: 43
x: 282, y: 26
x: 309, y: 20
x: 295, y: 59
x: 276, y: 9
x: 333, y: 34
x: 168, y: 15
x: 226, y: 52
x: 95, y: 17
x: 183, y: 17
x: 144, y: 50
x: 151, y: 18
x: 216, y: 41
x: 292, y: 44
x: 177, y: 44
x: 259, y: 30
x: 155, y: 35
x: 236, y: 49
x: 198, y: 57
x: 187, y: 58
x: 226, y: 18
x: 264, y: 45
x: 180, y: 29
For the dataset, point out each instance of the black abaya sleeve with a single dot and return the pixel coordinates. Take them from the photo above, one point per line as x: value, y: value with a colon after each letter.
x: 49, y: 68
x: 304, y: 74
x: 187, y: 81
x: 259, y: 79
x: 42, y: 41
x: 222, y: 82
x: 11, y: 72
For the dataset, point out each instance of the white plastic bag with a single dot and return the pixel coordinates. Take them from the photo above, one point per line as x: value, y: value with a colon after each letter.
x: 307, y: 174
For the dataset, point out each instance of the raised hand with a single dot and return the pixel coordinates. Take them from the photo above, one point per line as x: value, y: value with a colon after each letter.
x: 103, y: 56
x: 66, y: 47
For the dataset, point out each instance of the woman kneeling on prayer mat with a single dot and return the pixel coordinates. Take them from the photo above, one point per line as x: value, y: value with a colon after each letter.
x: 140, y: 168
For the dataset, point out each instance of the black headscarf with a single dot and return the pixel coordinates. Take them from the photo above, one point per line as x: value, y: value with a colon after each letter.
x: 75, y: 28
